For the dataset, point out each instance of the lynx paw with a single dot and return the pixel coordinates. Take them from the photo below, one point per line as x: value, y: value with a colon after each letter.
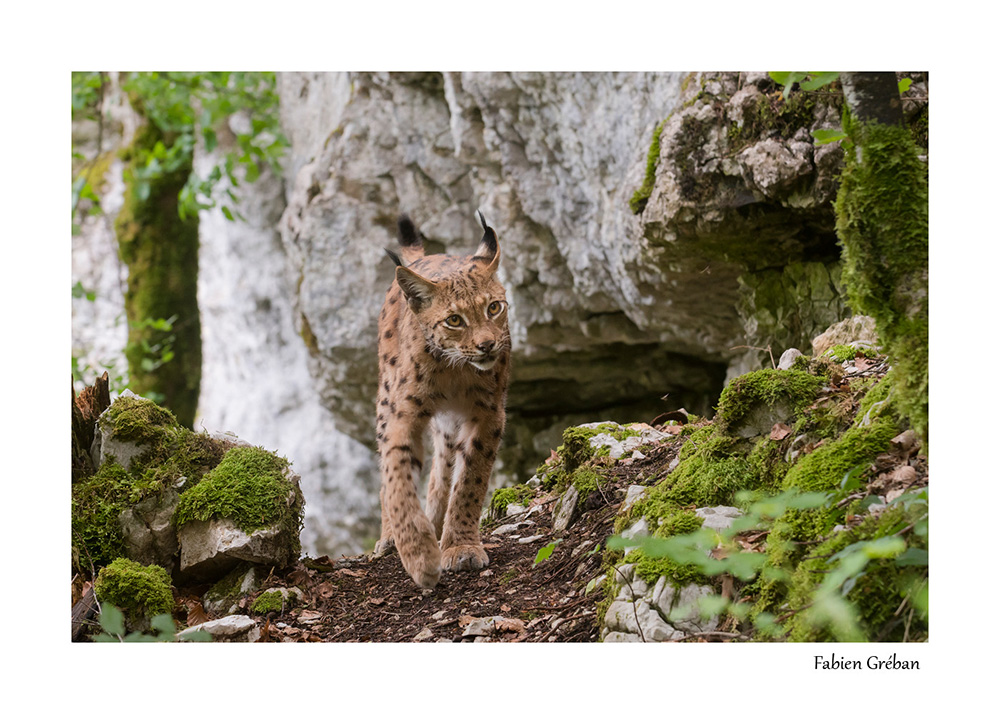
x: 465, y: 557
x: 424, y: 568
x: 383, y: 547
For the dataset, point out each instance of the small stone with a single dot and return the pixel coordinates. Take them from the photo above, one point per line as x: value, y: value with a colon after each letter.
x: 514, y: 509
x: 718, y: 518
x: 633, y: 494
x: 481, y: 627
x: 788, y: 358
x: 233, y: 628
x: 508, y: 528
x: 531, y: 539
x: 565, y: 510
x: 424, y: 635
x: 639, y: 529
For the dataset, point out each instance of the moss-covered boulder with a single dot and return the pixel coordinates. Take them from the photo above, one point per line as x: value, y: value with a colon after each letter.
x: 153, y: 476
x: 139, y: 591
x: 247, y: 509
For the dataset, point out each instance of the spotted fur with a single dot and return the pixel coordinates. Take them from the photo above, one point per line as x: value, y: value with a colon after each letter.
x: 444, y: 363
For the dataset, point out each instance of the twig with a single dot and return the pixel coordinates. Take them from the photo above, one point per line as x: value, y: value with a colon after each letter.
x: 759, y: 349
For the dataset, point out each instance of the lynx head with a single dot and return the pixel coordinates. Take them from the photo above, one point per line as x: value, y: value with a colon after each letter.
x: 460, y: 304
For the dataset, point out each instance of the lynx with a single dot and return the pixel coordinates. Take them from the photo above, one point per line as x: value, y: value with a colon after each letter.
x: 444, y: 362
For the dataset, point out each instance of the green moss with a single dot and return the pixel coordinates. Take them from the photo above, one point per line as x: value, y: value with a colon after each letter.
x: 876, y: 595
x: 174, y: 458
x: 503, y: 497
x: 882, y: 224
x: 576, y: 449
x: 877, y: 401
x: 843, y: 353
x: 140, y: 591
x: 824, y: 468
x: 249, y: 487
x: 586, y: 481
x: 97, y: 503
x: 767, y: 387
x: 161, y: 252
x: 137, y: 420
x: 273, y: 600
x: 641, y: 197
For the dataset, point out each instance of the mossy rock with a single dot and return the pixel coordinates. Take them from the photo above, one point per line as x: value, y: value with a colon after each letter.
x: 752, y: 403
x: 122, y: 497
x: 249, y: 486
x: 137, y: 420
x: 882, y: 223
x: 139, y: 591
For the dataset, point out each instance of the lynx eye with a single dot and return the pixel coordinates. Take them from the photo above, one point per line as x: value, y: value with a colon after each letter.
x: 454, y: 321
x: 494, y: 309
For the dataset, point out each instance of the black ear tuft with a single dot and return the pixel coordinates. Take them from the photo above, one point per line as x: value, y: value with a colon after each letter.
x: 488, y: 245
x: 395, y: 258
x: 408, y: 235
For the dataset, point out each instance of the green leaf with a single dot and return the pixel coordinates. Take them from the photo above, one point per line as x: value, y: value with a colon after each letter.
x: 887, y: 547
x: 912, y: 556
x: 828, y: 136
x: 112, y: 620
x: 819, y: 79
x: 787, y: 79
x: 904, y: 84
x: 227, y: 213
x: 163, y: 623
x: 546, y: 551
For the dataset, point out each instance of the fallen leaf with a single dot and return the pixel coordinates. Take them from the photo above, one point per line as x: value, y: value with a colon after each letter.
x: 376, y: 601
x: 903, y: 475
x: 485, y: 573
x: 553, y: 456
x: 325, y: 590
x: 352, y: 573
x: 674, y: 429
x: 779, y: 431
x: 464, y: 620
x: 862, y: 363
x: 509, y: 624
x: 196, y: 614
x: 505, y: 608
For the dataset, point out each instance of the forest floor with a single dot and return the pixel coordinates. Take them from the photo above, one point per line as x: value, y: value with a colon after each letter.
x: 514, y: 599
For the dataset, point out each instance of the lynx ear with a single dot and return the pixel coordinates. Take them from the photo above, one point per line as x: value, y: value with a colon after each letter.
x: 418, y: 291
x: 488, y: 246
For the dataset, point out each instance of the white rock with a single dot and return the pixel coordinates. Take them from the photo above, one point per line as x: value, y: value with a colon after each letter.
x: 685, y: 614
x: 565, y: 510
x: 233, y: 628
x: 718, y: 518
x: 209, y: 548
x: 639, y: 529
x: 634, y: 493
x: 788, y: 358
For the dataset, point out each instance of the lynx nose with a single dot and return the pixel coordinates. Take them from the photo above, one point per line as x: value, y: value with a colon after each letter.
x: 486, y: 347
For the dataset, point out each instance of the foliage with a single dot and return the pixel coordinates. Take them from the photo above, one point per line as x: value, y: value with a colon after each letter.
x: 112, y: 622
x: 545, y: 552
x: 187, y: 107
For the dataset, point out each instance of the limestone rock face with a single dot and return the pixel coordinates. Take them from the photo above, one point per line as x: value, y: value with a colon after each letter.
x: 608, y: 307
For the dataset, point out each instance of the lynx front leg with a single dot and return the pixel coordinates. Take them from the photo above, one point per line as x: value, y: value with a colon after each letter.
x: 461, y: 545
x: 444, y: 429
x: 401, y: 460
